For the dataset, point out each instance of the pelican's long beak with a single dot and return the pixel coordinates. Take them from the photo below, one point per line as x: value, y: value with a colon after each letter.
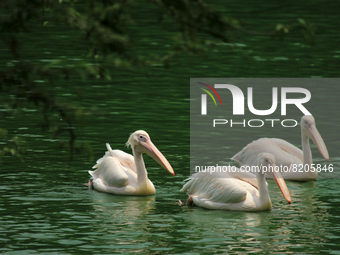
x: 318, y: 141
x: 153, y: 152
x: 281, y: 183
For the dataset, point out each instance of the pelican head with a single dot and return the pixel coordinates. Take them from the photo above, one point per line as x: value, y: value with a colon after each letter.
x: 267, y: 163
x: 308, y: 129
x: 140, y: 142
x: 266, y: 159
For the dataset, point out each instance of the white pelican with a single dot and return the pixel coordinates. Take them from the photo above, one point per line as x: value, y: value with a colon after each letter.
x: 223, y: 190
x: 123, y: 174
x: 287, y: 155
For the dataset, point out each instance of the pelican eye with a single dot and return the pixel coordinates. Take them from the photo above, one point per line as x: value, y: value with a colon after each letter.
x: 142, y: 138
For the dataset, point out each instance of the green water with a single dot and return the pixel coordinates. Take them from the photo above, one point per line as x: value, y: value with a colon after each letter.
x: 45, y: 208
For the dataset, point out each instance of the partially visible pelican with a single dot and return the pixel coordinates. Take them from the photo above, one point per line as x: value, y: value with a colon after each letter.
x: 286, y: 154
x: 223, y: 190
x: 123, y: 174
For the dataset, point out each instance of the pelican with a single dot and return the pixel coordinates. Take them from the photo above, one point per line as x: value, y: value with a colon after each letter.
x: 296, y: 164
x: 226, y: 191
x: 123, y: 174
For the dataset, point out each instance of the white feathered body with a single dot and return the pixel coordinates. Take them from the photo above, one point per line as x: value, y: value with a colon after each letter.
x: 285, y: 155
x: 284, y: 152
x: 226, y: 191
x: 116, y: 173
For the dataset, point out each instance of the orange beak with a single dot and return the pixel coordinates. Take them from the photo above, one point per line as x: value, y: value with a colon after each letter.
x: 318, y: 141
x: 281, y: 183
x: 153, y: 152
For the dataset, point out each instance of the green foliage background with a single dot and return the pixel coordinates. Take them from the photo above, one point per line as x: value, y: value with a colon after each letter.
x: 110, y: 37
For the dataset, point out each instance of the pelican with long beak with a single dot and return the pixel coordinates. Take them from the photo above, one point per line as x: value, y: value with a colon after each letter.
x: 237, y: 191
x: 123, y: 174
x: 296, y: 164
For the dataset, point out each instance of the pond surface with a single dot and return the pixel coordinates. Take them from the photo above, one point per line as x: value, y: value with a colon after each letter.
x: 45, y: 208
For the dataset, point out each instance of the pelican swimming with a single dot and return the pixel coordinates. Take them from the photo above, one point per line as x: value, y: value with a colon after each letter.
x: 226, y: 191
x: 296, y: 163
x: 123, y: 174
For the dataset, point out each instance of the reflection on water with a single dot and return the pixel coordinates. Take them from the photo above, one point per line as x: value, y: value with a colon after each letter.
x: 285, y: 228
x: 124, y: 208
x: 47, y: 212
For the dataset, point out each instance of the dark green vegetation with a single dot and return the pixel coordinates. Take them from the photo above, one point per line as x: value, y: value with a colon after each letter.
x: 103, y: 40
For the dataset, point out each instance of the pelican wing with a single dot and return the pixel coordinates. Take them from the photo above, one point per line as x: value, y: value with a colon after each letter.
x: 248, y: 177
x: 284, y: 152
x: 111, y: 172
x: 115, y: 168
x: 125, y: 159
x: 216, y: 188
